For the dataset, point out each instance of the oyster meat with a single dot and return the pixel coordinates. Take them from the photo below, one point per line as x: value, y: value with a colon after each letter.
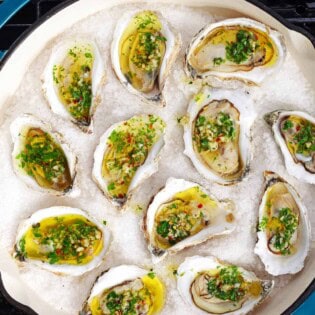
x: 294, y: 131
x: 183, y: 214
x: 143, y: 50
x: 283, y: 229
x: 207, y: 284
x: 217, y: 135
x: 71, y: 80
x: 63, y: 240
x: 41, y: 158
x: 240, y: 49
x: 127, y: 154
x: 125, y: 289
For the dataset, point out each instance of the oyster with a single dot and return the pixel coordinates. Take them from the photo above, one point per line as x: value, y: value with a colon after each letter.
x: 217, y: 136
x: 127, y: 154
x: 71, y: 80
x: 218, y: 288
x: 183, y: 214
x: 63, y: 240
x: 284, y: 228
x: 240, y: 49
x: 294, y: 131
x: 143, y: 50
x: 112, y: 292
x: 41, y: 158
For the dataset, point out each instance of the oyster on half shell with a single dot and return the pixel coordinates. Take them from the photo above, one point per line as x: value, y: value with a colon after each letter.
x: 284, y: 228
x: 143, y: 50
x: 294, y: 131
x: 62, y: 240
x: 237, y: 49
x: 215, y: 287
x: 71, y: 80
x: 125, y: 289
x: 127, y: 154
x: 217, y: 135
x: 183, y: 214
x: 41, y: 158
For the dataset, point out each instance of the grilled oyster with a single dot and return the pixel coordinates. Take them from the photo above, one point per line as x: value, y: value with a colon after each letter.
x: 128, y: 154
x: 294, y: 131
x: 143, y: 50
x: 241, y: 49
x: 125, y: 289
x: 217, y: 136
x: 183, y: 214
x: 219, y: 288
x: 71, y: 81
x: 284, y: 228
x: 41, y: 158
x: 63, y: 240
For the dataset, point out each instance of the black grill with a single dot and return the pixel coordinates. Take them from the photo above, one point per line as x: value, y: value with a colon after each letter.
x: 300, y: 13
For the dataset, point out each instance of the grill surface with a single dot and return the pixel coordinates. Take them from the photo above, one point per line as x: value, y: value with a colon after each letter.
x: 299, y: 12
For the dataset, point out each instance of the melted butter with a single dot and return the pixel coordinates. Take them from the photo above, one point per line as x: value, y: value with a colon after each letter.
x: 157, y: 292
x: 37, y: 251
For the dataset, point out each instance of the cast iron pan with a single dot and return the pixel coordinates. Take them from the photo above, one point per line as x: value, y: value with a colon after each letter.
x: 25, y: 309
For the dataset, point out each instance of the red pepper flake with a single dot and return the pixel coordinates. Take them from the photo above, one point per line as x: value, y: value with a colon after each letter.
x: 200, y: 205
x: 58, y: 251
x: 298, y: 128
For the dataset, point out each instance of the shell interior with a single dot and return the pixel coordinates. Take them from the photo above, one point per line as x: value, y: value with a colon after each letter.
x: 63, y: 240
x: 239, y: 48
x: 294, y: 131
x: 41, y: 158
x: 217, y: 136
x: 183, y: 214
x: 284, y: 229
x: 71, y: 80
x: 218, y: 288
x: 143, y: 49
x: 128, y: 154
x: 124, y: 283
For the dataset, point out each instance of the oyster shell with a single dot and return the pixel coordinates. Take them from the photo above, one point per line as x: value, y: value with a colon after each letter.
x: 143, y: 50
x: 217, y: 135
x: 127, y: 154
x: 207, y: 284
x: 63, y: 240
x: 71, y: 81
x: 41, y: 158
x: 122, y: 283
x: 240, y: 49
x: 183, y: 214
x: 284, y: 228
x: 294, y: 131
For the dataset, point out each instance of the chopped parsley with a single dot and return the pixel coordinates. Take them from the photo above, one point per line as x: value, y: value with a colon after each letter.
x: 210, y: 132
x: 44, y: 160
x: 287, y: 125
x: 305, y: 139
x: 129, y: 301
x: 282, y: 228
x: 218, y: 61
x: 227, y: 285
x: 244, y: 46
x: 151, y: 274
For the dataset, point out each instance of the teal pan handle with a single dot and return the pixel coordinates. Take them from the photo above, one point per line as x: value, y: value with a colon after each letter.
x: 7, y: 9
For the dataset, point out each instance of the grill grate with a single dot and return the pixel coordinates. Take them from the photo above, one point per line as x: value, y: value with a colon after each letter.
x: 298, y: 12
